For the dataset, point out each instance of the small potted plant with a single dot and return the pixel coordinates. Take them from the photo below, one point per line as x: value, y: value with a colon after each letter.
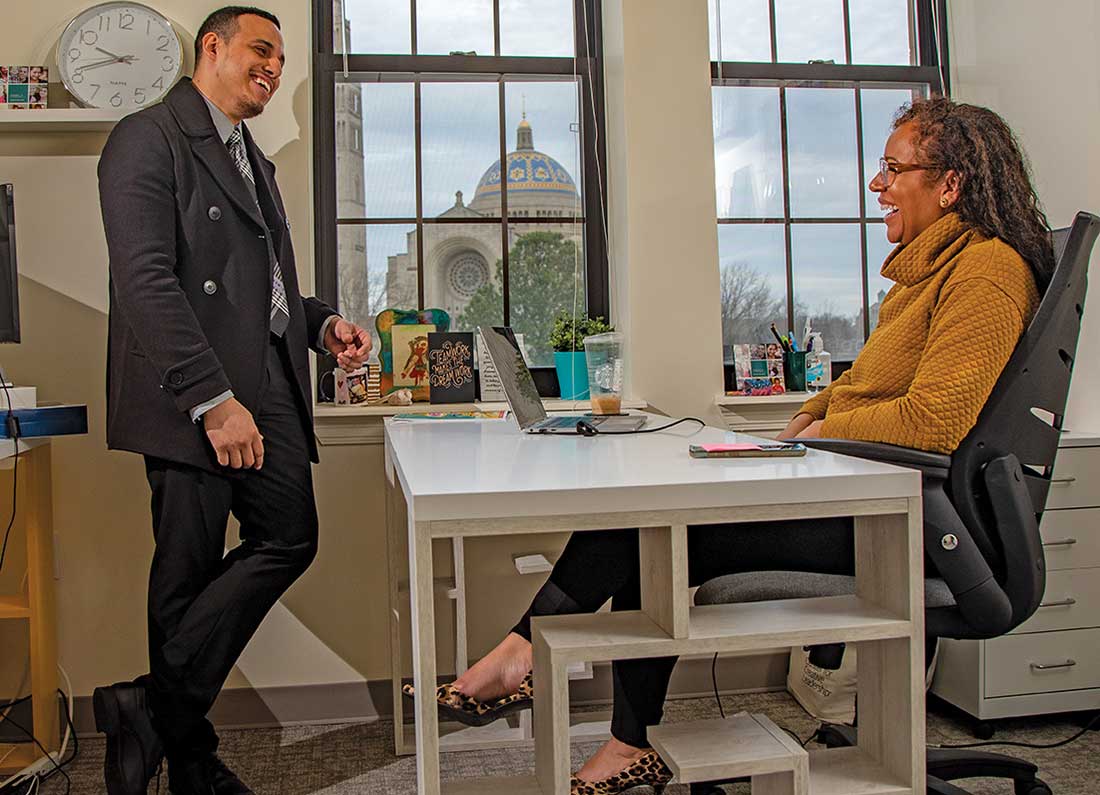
x: 567, y: 340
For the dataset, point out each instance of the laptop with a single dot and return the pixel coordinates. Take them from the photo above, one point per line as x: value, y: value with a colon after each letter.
x: 523, y: 398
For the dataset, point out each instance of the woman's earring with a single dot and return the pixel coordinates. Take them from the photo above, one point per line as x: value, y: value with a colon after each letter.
x: 943, y: 201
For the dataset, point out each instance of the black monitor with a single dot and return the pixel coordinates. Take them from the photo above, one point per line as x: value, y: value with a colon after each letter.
x: 9, y: 274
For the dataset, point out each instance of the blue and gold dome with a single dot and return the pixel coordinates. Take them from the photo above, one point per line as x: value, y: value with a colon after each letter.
x: 528, y: 171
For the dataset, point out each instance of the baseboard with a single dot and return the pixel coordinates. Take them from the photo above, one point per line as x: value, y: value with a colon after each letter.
x: 364, y: 702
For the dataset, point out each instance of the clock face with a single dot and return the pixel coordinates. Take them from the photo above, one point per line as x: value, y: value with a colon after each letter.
x: 119, y: 55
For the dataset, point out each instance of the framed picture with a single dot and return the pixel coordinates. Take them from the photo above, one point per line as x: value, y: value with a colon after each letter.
x: 451, y: 366
x: 758, y: 368
x: 401, y: 363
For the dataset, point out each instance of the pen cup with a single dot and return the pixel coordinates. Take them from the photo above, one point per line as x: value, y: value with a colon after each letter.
x: 794, y: 370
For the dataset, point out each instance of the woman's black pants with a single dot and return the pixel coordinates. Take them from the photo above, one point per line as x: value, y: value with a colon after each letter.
x: 598, y: 565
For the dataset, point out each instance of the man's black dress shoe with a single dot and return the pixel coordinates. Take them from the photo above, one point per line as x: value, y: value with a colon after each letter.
x: 190, y: 776
x: 203, y: 774
x: 225, y: 780
x: 134, y: 749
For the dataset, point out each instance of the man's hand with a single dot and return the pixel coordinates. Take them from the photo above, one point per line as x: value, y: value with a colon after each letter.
x: 811, y: 431
x: 234, y: 435
x: 348, y: 343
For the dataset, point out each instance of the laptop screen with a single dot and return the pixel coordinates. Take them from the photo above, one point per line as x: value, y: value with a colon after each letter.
x: 515, y: 378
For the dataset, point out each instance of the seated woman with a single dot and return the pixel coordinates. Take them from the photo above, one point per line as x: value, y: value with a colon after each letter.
x: 972, y: 253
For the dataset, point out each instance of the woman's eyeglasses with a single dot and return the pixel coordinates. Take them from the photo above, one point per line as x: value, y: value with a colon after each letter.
x: 887, y: 169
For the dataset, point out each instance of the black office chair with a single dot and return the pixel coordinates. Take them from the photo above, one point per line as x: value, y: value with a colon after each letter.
x: 981, y: 511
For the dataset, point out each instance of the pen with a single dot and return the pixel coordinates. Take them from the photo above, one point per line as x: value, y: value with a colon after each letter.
x: 806, y: 334
x: 793, y: 342
x: 775, y: 333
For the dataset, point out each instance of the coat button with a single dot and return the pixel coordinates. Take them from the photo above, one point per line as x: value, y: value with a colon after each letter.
x: 214, y: 212
x: 209, y: 287
x: 177, y: 378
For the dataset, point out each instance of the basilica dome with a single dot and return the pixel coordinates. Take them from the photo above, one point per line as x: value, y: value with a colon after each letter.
x: 537, y: 183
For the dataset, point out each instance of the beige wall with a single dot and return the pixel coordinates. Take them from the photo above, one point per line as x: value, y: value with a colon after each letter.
x: 332, y: 625
x: 1038, y: 65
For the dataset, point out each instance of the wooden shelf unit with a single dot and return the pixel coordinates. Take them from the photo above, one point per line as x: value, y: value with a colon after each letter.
x: 36, y: 605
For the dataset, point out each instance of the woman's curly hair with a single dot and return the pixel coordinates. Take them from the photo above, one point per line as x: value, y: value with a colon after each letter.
x: 995, y: 191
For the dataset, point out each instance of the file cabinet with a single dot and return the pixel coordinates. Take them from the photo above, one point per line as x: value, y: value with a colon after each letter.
x: 1051, y: 662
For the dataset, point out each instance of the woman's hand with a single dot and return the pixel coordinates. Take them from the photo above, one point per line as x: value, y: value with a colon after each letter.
x: 796, y: 426
x: 811, y: 431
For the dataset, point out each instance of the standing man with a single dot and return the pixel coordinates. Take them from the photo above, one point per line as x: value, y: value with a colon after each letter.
x: 207, y: 378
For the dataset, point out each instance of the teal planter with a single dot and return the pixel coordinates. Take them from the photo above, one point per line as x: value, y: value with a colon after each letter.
x: 572, y: 374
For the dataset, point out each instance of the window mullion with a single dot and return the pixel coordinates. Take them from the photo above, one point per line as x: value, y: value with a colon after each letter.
x: 786, y: 201
x: 417, y: 126
x: 847, y: 33
x: 507, y: 308
x: 862, y: 214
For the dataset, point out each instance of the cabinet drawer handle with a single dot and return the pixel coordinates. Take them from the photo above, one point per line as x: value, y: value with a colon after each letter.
x: 1065, y: 542
x: 1062, y: 481
x: 1063, y: 603
x: 1051, y: 666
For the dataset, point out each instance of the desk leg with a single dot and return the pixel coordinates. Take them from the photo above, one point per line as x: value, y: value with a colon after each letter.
x: 423, y: 638
x: 890, y: 572
x: 551, y: 720
x: 664, y: 577
x: 396, y: 514
x: 34, y: 477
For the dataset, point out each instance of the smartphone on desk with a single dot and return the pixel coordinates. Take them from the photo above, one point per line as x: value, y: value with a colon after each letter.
x: 747, y: 450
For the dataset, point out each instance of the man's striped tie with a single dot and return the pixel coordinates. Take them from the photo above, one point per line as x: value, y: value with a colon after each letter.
x: 280, y: 309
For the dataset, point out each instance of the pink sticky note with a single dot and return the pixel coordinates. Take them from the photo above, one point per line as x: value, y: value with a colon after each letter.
x: 723, y: 448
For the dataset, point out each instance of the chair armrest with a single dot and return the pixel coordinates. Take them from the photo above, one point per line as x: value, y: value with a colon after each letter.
x: 932, y: 463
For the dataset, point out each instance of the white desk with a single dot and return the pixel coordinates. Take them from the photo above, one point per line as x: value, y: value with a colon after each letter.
x: 452, y: 479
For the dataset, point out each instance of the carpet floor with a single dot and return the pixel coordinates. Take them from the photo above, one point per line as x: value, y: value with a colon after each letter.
x: 339, y: 759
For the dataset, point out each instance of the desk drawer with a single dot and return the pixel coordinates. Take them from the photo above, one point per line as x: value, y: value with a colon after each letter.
x: 1076, y: 479
x: 1081, y: 526
x: 1072, y: 601
x: 1070, y: 660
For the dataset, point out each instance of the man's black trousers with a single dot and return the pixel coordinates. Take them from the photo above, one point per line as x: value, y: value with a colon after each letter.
x: 205, y: 604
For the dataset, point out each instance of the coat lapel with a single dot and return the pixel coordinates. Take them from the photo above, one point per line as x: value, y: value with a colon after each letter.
x: 190, y: 110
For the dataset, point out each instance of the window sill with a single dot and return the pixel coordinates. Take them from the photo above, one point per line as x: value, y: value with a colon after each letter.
x: 362, y: 425
x: 764, y: 400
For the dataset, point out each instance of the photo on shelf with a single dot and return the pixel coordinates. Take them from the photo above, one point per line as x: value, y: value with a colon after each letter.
x: 24, y: 87
x: 758, y: 369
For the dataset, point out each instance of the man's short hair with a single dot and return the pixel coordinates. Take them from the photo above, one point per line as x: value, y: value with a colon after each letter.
x: 224, y: 23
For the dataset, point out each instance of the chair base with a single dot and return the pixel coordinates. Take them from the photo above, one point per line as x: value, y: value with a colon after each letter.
x: 944, y: 766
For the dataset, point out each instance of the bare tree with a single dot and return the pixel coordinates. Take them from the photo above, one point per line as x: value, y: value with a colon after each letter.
x: 748, y: 306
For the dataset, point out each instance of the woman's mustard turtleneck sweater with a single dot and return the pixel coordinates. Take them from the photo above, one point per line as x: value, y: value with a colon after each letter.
x: 945, y: 332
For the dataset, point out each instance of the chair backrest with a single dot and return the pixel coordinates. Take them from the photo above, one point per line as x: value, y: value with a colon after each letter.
x: 1023, y: 416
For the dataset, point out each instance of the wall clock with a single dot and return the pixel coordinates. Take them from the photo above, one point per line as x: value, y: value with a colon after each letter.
x: 120, y: 55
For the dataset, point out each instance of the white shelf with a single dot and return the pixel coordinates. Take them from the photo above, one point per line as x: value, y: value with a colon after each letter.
x: 849, y: 771
x: 60, y: 120
x: 725, y: 748
x: 751, y: 400
x: 750, y: 626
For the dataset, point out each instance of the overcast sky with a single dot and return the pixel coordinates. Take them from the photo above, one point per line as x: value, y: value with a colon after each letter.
x: 460, y: 125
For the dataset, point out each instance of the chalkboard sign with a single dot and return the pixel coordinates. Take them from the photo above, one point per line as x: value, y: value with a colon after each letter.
x: 451, y: 366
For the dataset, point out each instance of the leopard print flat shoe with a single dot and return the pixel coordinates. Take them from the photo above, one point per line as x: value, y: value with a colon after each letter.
x: 456, y: 705
x: 648, y: 771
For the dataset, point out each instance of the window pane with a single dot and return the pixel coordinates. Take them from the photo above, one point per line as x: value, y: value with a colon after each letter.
x: 462, y: 273
x: 809, y: 30
x: 745, y: 30
x: 546, y: 275
x: 460, y: 137
x: 375, y: 159
x: 374, y: 271
x: 880, y: 31
x: 536, y: 27
x: 445, y: 26
x: 752, y: 259
x: 878, y: 249
x: 543, y: 157
x: 748, y: 160
x: 821, y: 125
x: 879, y: 107
x: 825, y: 265
x: 373, y: 26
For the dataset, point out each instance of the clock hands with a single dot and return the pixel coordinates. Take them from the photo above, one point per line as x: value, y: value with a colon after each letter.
x: 126, y: 59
